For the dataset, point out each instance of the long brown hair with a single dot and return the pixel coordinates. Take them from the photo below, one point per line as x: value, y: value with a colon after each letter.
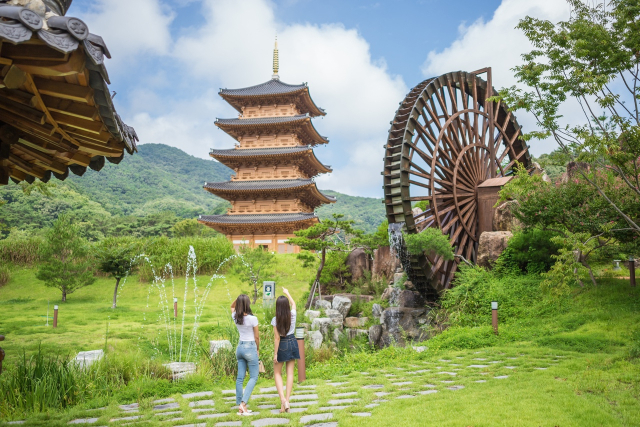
x: 283, y: 316
x: 243, y: 305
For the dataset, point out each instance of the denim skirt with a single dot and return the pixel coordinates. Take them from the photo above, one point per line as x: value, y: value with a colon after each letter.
x: 288, y: 349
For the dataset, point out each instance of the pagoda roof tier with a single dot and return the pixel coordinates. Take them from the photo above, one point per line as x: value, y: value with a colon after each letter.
x: 303, y: 189
x: 301, y: 125
x: 304, y: 155
x: 56, y: 110
x: 259, y: 223
x: 273, y: 92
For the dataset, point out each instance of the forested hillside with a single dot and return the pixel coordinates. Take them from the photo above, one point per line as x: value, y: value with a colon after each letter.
x: 145, y: 195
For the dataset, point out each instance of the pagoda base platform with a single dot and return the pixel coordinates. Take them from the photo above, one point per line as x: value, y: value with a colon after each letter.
x: 273, y: 243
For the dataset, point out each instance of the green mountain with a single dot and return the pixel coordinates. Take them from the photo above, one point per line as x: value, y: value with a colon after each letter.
x: 146, y: 194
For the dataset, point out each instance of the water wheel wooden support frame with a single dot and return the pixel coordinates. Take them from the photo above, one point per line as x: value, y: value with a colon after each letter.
x: 445, y: 140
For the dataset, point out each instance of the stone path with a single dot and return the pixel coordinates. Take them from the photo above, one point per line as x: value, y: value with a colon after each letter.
x: 322, y: 403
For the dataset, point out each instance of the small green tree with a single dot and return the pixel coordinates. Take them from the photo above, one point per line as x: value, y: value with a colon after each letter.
x: 333, y: 234
x: 256, y: 264
x: 431, y: 241
x: 65, y: 264
x: 115, y: 257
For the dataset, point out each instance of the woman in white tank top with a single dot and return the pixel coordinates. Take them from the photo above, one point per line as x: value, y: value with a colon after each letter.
x: 247, y: 351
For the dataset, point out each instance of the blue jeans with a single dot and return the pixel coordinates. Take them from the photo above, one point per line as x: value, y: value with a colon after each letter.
x: 247, y: 355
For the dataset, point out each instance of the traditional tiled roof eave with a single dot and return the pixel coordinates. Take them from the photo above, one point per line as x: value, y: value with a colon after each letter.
x: 300, y: 124
x: 235, y: 157
x: 68, y: 84
x: 258, y: 218
x: 270, y: 92
x: 229, y: 189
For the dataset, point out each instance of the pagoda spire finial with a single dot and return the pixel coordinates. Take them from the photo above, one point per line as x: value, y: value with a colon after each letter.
x: 276, y: 61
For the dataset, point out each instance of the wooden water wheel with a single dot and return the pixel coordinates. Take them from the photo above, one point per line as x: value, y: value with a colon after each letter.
x: 445, y: 141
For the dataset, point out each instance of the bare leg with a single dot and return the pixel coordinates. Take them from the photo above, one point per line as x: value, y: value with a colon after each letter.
x: 290, y: 366
x: 277, y: 374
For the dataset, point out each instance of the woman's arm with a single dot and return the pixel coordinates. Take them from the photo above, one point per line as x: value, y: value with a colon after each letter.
x: 292, y: 303
x: 256, y: 336
x: 233, y: 306
x: 276, y: 344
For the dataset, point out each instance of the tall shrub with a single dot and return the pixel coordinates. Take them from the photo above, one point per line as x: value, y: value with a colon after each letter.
x: 65, y: 264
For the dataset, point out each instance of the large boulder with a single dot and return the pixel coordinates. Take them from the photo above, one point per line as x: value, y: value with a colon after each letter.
x: 410, y: 299
x: 351, y: 322
x: 315, y: 338
x: 377, y: 310
x: 342, y: 304
x: 312, y: 314
x: 337, y: 334
x: 355, y: 333
x: 384, y: 263
x: 358, y: 262
x: 491, y: 245
x: 353, y: 297
x: 399, y: 323
x: 386, y: 294
x: 335, y: 316
x: 503, y: 217
x: 322, y: 304
x: 375, y: 332
x: 321, y: 324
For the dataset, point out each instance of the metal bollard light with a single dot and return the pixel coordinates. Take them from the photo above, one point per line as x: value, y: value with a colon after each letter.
x: 175, y: 307
x: 302, y: 369
x: 632, y: 271
x: 55, y: 316
x: 494, y: 316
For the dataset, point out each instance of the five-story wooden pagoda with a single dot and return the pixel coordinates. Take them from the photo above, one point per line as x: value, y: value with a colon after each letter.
x: 272, y: 193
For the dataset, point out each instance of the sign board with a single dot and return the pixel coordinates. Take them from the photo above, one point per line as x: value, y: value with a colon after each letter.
x: 268, y: 290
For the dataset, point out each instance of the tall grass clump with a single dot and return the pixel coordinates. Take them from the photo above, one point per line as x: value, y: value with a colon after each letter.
x: 5, y: 274
x: 210, y: 253
x: 20, y: 248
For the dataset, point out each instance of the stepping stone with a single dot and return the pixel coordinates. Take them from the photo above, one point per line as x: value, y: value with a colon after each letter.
x: 512, y: 358
x: 341, y: 401
x: 307, y: 386
x: 165, y: 406
x: 195, y: 411
x: 429, y: 386
x: 403, y: 383
x: 270, y: 422
x: 405, y: 396
x: 264, y: 396
x: 227, y: 392
x: 389, y: 375
x: 496, y: 361
x: 164, y: 414
x: 371, y: 405
x: 167, y: 400
x: 361, y: 414
x: 16, y: 422
x: 479, y: 358
x: 478, y: 366
x: 400, y: 369
x: 481, y: 381
x: 303, y: 403
x: 323, y: 425
x: 134, y: 417
x: 454, y: 364
x: 194, y: 425
x: 542, y: 369
x: 456, y: 387
x: 223, y: 414
x: 83, y: 421
x: 266, y: 406
x: 422, y: 371
x: 509, y: 367
x: 268, y: 389
x: 381, y: 393
x: 373, y: 386
x: 302, y: 397
x: 501, y: 377
x: 277, y: 411
x: 318, y: 417
x: 444, y: 360
x: 427, y: 391
x: 365, y: 373
x: 453, y: 374
x: 448, y: 382
x: 350, y: 393
x: 129, y: 407
x: 336, y: 384
x: 202, y: 394
x: 201, y: 403
x: 171, y: 420
x: 332, y: 408
x: 227, y: 424
x: 380, y: 400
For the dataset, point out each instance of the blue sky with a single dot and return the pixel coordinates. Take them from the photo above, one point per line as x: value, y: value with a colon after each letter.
x: 359, y: 58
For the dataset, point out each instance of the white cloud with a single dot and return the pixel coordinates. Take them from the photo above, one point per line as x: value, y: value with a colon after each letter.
x: 498, y: 44
x: 130, y: 27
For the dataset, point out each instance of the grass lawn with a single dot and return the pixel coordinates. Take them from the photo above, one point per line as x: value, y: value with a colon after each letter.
x: 137, y: 323
x: 569, y: 365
